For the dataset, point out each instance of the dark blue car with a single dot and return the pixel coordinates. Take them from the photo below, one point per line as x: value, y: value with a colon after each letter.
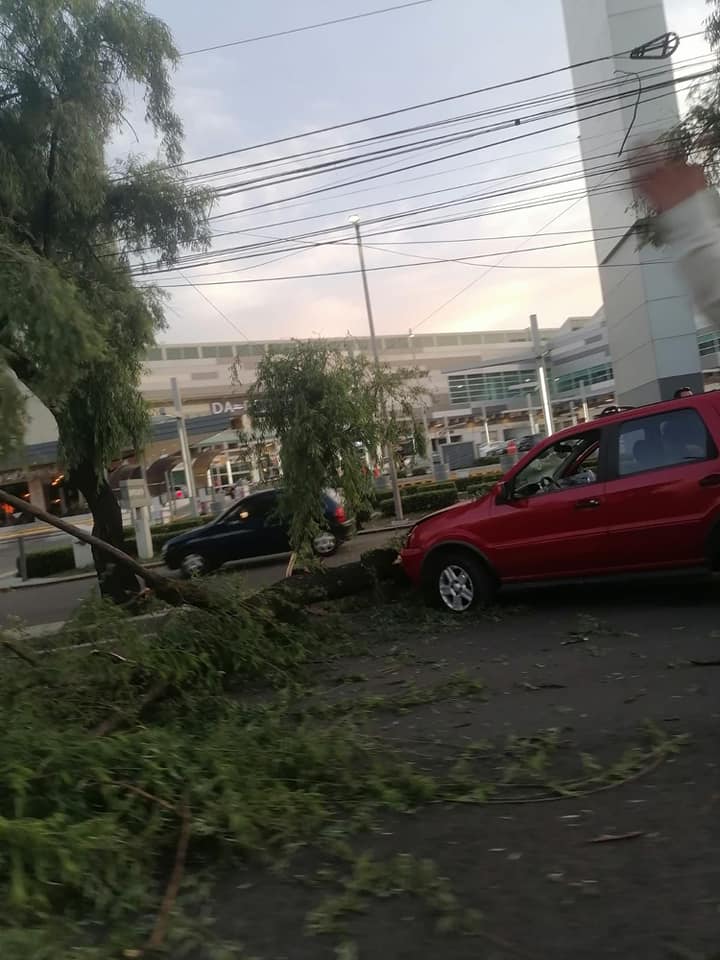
x: 250, y: 528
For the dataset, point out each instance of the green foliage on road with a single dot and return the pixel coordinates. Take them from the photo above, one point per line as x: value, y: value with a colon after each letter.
x: 73, y: 324
x: 207, y: 743
x: 325, y: 406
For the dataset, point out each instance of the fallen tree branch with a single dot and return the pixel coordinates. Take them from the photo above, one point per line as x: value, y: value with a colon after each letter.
x: 112, y: 723
x: 157, y: 938
x: 18, y: 651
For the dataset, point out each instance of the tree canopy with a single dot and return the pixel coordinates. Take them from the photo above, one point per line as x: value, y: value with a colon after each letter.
x: 326, y: 407
x: 74, y: 326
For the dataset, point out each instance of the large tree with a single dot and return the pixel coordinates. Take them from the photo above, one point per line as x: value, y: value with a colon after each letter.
x: 326, y: 408
x: 73, y: 325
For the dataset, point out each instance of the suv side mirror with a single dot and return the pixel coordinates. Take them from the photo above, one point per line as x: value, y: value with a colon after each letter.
x: 504, y: 494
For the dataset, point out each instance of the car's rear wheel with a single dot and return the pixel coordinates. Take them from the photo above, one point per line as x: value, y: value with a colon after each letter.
x: 457, y: 581
x: 325, y: 544
x: 193, y: 565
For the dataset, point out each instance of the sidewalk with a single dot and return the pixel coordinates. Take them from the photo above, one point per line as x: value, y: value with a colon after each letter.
x: 38, y: 529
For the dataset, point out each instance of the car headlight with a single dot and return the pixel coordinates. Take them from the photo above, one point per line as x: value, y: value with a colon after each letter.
x: 163, y: 552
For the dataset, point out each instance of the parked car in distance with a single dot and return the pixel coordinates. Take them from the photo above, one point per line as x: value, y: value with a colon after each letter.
x: 494, y: 449
x: 247, y: 529
x: 528, y: 442
x: 634, y: 492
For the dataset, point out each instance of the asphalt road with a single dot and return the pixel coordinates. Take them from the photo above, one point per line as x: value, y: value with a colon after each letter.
x: 55, y: 602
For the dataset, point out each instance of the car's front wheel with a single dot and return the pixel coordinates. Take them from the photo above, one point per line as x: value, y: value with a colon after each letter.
x: 193, y: 565
x: 458, y: 581
x: 325, y: 544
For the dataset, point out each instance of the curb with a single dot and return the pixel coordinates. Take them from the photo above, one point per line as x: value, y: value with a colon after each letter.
x: 71, y: 578
x: 397, y: 526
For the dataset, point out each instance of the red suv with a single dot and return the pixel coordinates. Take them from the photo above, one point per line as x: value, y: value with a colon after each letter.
x: 637, y: 490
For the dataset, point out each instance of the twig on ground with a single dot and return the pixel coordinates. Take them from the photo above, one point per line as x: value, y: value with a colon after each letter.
x: 111, y: 724
x: 615, y: 837
x: 19, y: 652
x: 157, y: 937
x: 131, y: 788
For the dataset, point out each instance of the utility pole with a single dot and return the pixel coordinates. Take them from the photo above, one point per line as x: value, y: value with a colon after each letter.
x: 184, y: 445
x: 542, y: 377
x: 397, y: 501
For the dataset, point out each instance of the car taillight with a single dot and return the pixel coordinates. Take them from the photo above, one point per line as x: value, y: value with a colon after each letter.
x: 340, y: 514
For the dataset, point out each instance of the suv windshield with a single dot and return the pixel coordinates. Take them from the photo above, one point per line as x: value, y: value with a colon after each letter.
x: 569, y: 463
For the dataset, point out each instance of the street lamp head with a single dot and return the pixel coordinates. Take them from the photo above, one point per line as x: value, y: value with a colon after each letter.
x: 354, y: 219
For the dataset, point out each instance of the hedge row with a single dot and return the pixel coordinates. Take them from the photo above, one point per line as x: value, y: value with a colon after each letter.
x: 47, y: 563
x: 476, y: 479
x: 177, y: 526
x: 410, y: 489
x: 426, y: 501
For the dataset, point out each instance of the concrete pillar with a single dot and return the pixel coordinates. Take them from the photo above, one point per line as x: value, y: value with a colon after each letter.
x: 650, y: 321
x: 36, y: 489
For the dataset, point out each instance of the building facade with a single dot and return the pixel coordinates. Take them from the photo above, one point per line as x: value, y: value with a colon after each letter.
x: 213, y: 379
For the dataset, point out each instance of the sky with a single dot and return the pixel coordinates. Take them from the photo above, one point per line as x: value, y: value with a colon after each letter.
x: 236, y: 98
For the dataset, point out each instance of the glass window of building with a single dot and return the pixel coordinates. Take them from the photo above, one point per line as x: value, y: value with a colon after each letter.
x: 447, y: 340
x: 474, y: 388
x: 154, y: 353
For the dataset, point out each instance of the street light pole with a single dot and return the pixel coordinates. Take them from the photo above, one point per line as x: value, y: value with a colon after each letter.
x: 542, y: 377
x: 376, y: 357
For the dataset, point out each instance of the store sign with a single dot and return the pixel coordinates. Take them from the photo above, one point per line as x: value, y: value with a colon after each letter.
x: 218, y: 407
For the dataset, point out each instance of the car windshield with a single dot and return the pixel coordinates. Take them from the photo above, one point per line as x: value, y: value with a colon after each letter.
x: 566, y: 463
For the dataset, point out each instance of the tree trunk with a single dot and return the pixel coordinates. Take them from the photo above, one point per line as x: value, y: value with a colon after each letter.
x: 117, y: 582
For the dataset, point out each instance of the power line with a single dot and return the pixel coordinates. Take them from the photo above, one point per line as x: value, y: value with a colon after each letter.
x: 401, y: 110
x: 306, y: 27
x: 423, y: 163
x: 215, y: 307
x: 403, y: 266
x: 258, y: 249
x: 569, y: 94
x: 311, y: 170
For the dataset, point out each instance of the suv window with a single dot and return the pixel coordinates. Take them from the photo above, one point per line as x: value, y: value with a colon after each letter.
x: 665, y: 440
x: 569, y: 463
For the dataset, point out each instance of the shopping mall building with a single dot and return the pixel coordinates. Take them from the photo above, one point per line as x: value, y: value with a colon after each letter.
x: 482, y: 385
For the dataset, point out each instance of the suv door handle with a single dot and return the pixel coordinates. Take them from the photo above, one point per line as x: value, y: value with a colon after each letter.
x: 589, y: 504
x: 712, y: 480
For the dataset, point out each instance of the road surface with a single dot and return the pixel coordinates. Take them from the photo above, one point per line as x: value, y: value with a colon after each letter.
x: 56, y: 601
